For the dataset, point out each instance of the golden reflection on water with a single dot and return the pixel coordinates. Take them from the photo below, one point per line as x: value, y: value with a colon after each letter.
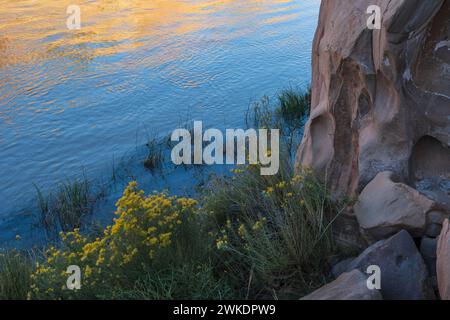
x: 34, y: 29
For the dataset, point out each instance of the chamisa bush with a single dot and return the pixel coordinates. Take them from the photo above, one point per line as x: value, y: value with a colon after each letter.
x: 154, y: 250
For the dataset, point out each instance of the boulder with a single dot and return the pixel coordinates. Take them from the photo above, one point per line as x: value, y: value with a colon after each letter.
x: 385, y: 207
x: 435, y: 217
x: 443, y: 262
x: 404, y: 275
x: 341, y: 267
x: 347, y: 232
x: 428, y: 248
x: 433, y: 230
x: 349, y: 286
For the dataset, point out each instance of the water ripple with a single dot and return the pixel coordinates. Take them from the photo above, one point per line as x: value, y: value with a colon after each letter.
x: 73, y: 99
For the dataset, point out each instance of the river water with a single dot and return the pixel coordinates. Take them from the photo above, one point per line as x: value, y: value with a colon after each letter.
x: 73, y: 100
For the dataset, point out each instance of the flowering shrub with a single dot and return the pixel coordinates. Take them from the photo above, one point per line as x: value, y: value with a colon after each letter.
x: 252, y: 237
x: 144, y: 229
x: 275, y: 230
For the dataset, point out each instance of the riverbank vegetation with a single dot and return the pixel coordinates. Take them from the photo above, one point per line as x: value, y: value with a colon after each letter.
x: 66, y: 208
x: 245, y: 236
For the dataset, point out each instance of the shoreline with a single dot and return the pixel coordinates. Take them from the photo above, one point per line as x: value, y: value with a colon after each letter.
x: 25, y: 225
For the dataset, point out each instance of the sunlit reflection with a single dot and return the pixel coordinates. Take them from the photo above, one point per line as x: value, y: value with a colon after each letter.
x: 35, y: 29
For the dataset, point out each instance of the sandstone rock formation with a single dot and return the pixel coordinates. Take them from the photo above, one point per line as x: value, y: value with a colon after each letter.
x: 379, y: 132
x: 404, y: 274
x: 443, y: 262
x: 381, y: 102
x: 386, y: 207
x: 349, y: 286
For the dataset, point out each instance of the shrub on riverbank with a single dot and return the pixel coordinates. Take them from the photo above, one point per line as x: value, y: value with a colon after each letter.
x: 274, y: 232
x: 150, y: 234
x: 251, y: 237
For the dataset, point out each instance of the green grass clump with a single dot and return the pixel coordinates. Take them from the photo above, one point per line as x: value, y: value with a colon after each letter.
x: 66, y: 208
x: 15, y: 275
x: 72, y: 203
x: 193, y: 281
x: 293, y: 106
x: 154, y: 159
x: 288, y: 114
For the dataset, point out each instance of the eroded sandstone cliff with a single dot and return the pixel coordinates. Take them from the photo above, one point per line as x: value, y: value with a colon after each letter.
x: 379, y: 132
x: 381, y: 105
